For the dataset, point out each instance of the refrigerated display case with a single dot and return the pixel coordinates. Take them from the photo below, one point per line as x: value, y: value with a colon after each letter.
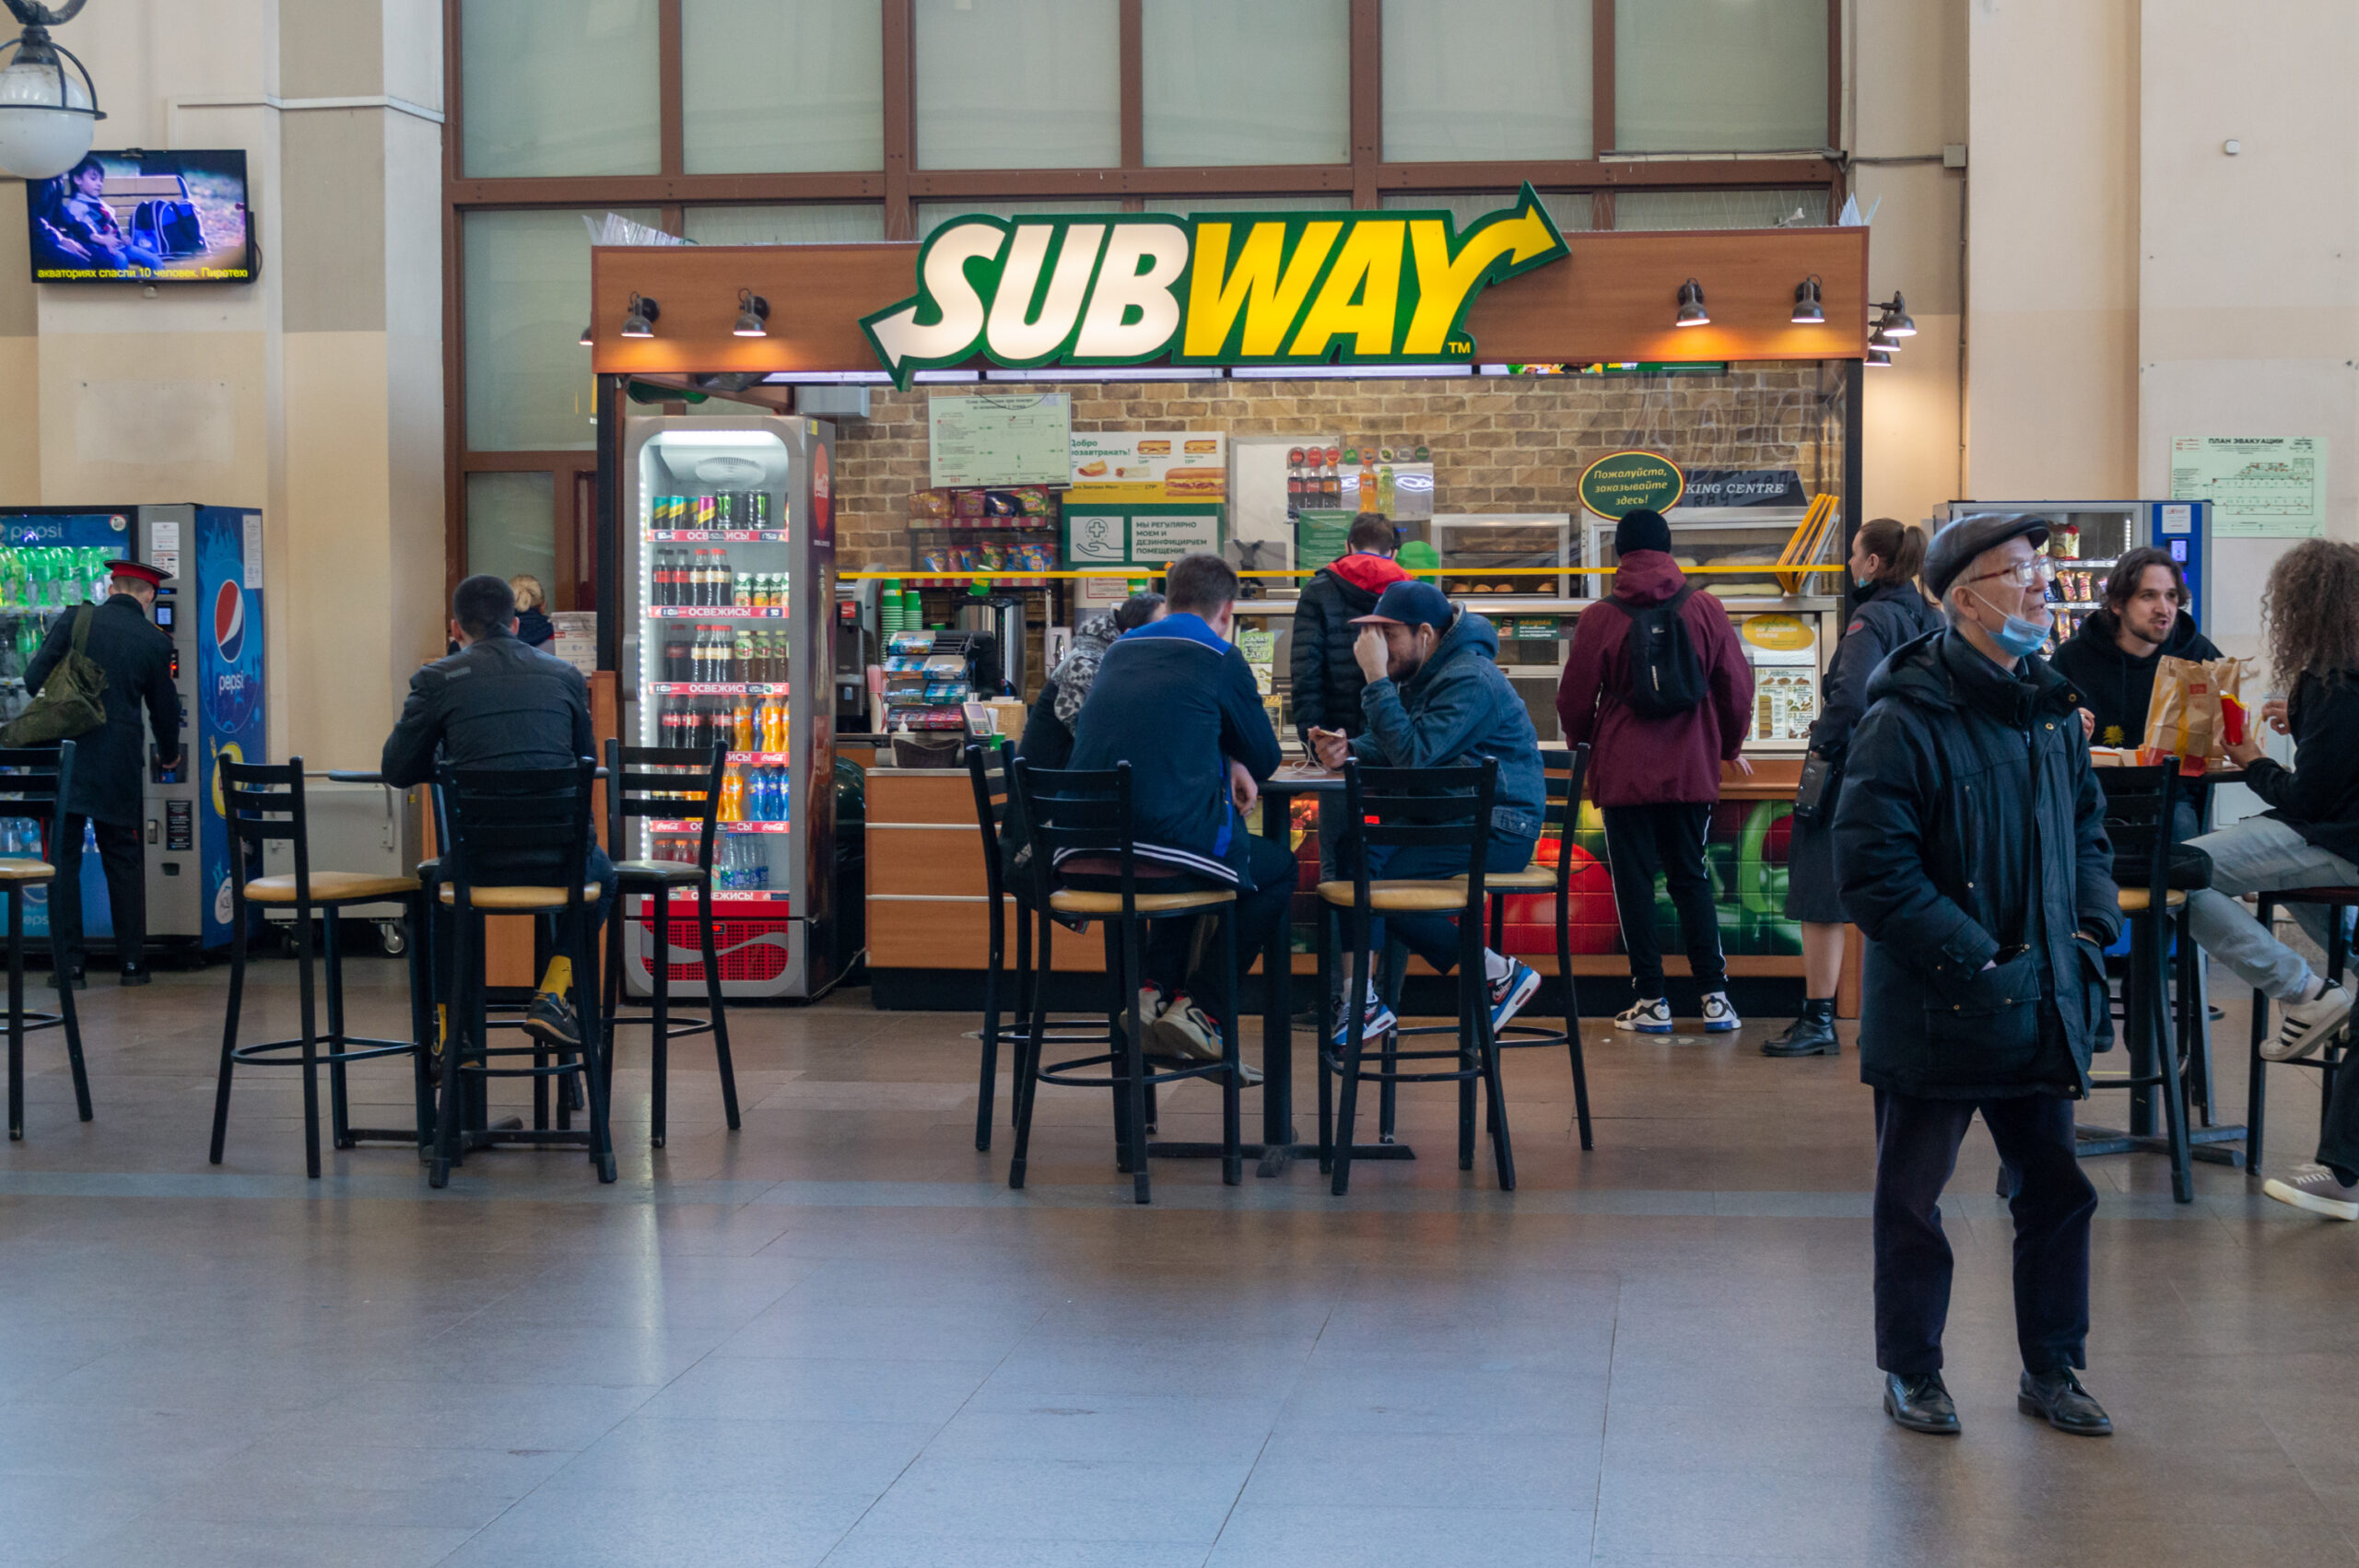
x: 2085, y: 538
x: 52, y: 558
x: 728, y: 613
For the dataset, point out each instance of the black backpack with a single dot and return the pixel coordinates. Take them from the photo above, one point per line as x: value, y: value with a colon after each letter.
x: 1666, y: 678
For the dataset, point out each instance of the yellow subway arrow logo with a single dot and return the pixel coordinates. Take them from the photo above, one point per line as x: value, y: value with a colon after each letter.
x: 1275, y: 289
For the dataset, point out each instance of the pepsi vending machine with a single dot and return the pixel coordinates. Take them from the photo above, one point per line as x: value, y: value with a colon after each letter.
x: 53, y: 559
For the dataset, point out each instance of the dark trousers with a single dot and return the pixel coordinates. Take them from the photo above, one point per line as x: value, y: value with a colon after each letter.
x: 1666, y: 840
x: 1916, y: 1142
x: 1433, y: 938
x: 1263, y: 894
x: 2338, y: 1136
x: 125, y: 864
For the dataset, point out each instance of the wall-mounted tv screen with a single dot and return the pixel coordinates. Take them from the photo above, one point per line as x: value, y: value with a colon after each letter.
x: 142, y: 218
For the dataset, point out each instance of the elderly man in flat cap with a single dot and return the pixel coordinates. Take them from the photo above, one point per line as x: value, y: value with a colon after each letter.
x: 1970, y: 848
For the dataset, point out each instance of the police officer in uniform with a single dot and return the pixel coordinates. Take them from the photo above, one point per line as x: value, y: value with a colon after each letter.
x: 109, y: 763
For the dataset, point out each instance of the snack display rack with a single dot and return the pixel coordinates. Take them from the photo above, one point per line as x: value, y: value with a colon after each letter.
x: 730, y: 586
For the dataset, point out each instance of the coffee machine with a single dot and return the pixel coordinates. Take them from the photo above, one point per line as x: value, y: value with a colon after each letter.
x: 1000, y: 618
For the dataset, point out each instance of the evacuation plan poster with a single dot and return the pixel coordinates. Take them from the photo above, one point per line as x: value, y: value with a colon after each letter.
x: 2260, y: 486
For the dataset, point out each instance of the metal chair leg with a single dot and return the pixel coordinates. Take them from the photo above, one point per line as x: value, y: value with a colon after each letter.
x: 719, y: 1005
x: 339, y: 1109
x: 1347, y: 1091
x: 1028, y: 1064
x: 1329, y: 932
x: 1133, y: 1073
x: 987, y: 1076
x: 1232, y: 1158
x: 306, y: 977
x: 16, y: 1013
x: 69, y: 1011
x: 421, y: 1013
x: 659, y: 1039
x: 1573, y: 1022
x: 596, y: 1050
x: 229, y: 1019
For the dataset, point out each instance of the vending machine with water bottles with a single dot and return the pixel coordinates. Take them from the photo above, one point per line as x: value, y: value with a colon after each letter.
x: 53, y: 558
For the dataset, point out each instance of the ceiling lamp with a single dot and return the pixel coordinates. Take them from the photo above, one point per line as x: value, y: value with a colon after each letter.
x: 1896, y: 319
x: 640, y: 322
x: 590, y: 336
x: 1878, y: 357
x: 1691, y: 306
x: 1882, y: 338
x: 752, y: 311
x: 47, y: 117
x: 1808, y: 310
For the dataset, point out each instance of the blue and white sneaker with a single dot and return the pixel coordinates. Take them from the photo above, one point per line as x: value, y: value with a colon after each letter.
x: 1511, y: 991
x: 1719, y: 1018
x: 1376, y: 1022
x: 1647, y: 1016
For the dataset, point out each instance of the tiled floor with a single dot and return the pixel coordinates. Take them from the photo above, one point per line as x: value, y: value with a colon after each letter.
x: 836, y: 1336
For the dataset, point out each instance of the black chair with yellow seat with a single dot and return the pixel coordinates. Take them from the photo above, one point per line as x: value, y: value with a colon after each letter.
x: 506, y: 825
x: 32, y: 781
x: 1565, y: 775
x: 2139, y: 803
x: 679, y: 787
x: 1447, y: 808
x: 2331, y: 1056
x: 264, y: 803
x: 1081, y: 823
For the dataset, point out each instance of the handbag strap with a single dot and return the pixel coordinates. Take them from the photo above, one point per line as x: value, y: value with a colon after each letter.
x: 81, y: 629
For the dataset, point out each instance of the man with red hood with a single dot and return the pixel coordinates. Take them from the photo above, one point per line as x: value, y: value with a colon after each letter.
x: 1658, y: 688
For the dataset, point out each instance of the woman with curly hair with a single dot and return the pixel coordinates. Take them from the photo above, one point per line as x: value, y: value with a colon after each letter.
x: 2309, y: 837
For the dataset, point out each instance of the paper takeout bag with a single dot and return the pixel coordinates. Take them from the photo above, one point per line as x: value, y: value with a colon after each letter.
x: 2183, y: 718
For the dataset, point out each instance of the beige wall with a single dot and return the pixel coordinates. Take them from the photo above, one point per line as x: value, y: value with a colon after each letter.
x: 313, y: 393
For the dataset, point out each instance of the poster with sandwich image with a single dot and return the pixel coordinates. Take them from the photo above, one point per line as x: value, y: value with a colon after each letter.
x: 1148, y: 466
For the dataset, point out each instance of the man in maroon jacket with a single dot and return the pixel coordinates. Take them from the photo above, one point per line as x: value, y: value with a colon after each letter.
x: 1656, y: 779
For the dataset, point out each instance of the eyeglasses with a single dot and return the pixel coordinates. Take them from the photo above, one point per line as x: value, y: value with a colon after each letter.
x: 2023, y: 574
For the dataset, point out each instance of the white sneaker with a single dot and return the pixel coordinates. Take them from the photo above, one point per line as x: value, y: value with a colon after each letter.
x: 1510, y: 993
x: 1719, y: 1018
x: 2319, y: 1190
x: 1646, y: 1017
x: 2307, y: 1028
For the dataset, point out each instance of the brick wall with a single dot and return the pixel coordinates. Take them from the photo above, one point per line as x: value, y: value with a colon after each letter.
x: 1498, y: 444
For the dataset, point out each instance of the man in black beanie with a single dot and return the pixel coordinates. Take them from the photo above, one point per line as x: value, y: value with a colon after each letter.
x: 1658, y: 688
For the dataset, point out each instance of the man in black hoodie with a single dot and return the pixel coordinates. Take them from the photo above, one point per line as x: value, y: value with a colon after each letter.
x: 2111, y: 660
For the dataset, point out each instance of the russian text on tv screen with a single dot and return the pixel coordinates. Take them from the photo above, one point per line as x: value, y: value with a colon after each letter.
x: 142, y: 218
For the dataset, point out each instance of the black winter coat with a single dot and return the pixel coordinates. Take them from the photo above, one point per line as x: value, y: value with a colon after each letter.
x: 2318, y: 796
x: 494, y: 704
x: 2114, y: 686
x: 109, y: 764
x: 1326, y: 678
x: 1971, y: 829
x: 1889, y: 615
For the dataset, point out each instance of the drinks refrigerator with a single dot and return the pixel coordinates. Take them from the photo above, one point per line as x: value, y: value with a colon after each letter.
x: 52, y: 558
x: 2085, y: 538
x: 728, y: 603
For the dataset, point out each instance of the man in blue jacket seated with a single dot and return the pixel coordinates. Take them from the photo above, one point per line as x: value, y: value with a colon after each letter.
x: 1971, y: 852
x: 1435, y: 698
x: 1176, y: 699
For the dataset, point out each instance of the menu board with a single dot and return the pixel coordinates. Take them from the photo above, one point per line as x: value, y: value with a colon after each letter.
x: 987, y: 439
x: 1150, y: 466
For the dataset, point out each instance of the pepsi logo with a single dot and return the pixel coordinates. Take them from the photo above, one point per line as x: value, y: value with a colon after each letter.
x: 229, y: 621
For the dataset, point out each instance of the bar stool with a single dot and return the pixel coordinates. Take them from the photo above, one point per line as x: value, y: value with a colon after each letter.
x: 2337, y: 1053
x: 2139, y: 806
x: 1082, y: 821
x: 999, y: 816
x: 501, y: 816
x: 264, y: 803
x: 1445, y: 808
x: 676, y: 784
x: 1565, y: 772
x: 32, y: 782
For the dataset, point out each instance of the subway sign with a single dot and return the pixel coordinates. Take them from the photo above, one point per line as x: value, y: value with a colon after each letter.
x: 1216, y: 288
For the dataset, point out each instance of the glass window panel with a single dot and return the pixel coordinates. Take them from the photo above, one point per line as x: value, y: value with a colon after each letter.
x: 804, y: 223
x: 1720, y: 209
x: 1326, y: 203
x: 933, y: 214
x: 1569, y: 209
x: 770, y: 85
x: 559, y: 87
x: 526, y: 299
x: 1246, y: 81
x: 1486, y: 79
x: 511, y: 524
x: 1719, y: 75
x: 1018, y: 84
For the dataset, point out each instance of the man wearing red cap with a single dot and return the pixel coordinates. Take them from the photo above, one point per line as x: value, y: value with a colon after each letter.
x: 108, y: 763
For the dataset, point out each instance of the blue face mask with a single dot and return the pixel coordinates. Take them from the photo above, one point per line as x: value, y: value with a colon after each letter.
x: 2021, y: 636
x: 1863, y: 583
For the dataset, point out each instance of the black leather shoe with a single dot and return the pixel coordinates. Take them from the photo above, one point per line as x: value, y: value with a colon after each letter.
x: 2058, y: 1398
x: 139, y: 976
x: 1807, y: 1035
x: 1921, y: 1404
x: 80, y: 984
